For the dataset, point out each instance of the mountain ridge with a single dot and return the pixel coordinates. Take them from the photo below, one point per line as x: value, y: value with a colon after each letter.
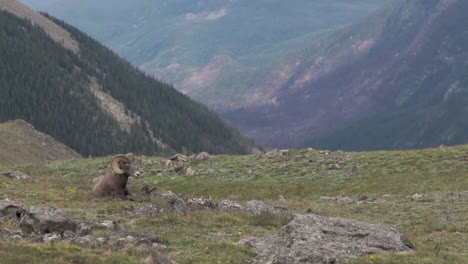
x: 96, y: 102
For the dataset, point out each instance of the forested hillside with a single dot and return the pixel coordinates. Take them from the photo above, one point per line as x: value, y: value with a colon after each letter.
x: 97, y: 103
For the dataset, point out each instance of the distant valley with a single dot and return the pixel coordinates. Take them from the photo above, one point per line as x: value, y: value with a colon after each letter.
x: 212, y: 51
x: 401, y: 73
x: 392, y: 80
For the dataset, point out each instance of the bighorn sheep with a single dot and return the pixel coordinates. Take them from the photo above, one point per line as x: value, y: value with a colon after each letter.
x: 115, y: 182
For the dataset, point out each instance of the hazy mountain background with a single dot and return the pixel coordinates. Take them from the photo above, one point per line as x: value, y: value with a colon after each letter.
x: 291, y: 74
x: 401, y: 73
x: 71, y: 87
x: 212, y: 50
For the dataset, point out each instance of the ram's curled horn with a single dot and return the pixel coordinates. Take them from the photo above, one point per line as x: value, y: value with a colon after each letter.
x: 115, y: 163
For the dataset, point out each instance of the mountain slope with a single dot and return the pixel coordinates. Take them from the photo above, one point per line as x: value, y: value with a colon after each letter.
x: 404, y: 67
x: 210, y: 50
x: 94, y: 101
x: 22, y: 144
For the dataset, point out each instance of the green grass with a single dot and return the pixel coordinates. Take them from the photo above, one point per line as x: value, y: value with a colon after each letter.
x: 300, y: 176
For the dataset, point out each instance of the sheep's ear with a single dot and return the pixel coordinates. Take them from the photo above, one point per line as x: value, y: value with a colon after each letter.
x: 115, y: 163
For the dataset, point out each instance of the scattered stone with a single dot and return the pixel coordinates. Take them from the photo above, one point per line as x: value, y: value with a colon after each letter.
x: 341, y: 199
x: 190, y: 172
x: 417, y: 196
x: 334, y: 167
x: 52, y: 237
x: 157, y: 258
x: 180, y: 157
x: 88, y: 241
x: 202, y: 157
x: 277, y: 155
x: 7, y: 234
x: 224, y: 234
x: 310, y: 149
x: 43, y: 222
x: 168, y: 194
x: 18, y: 175
x: 258, y: 207
x: 12, y: 208
x: 314, y: 238
x: 364, y: 198
x: 146, y: 190
x: 110, y: 224
x: 202, y: 204
x: 178, y: 205
x: 281, y: 198
x: 84, y: 229
x: 249, y: 242
x: 149, y: 210
x: 134, y: 237
x: 178, y: 168
x: 229, y: 205
x: 68, y: 235
x: 169, y: 164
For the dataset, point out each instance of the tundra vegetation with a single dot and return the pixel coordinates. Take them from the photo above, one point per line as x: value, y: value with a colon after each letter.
x: 420, y: 193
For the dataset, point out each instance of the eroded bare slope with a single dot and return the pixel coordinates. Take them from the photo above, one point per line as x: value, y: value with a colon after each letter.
x: 57, y: 33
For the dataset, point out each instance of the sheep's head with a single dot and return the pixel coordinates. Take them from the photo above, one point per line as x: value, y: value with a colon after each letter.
x: 124, y: 164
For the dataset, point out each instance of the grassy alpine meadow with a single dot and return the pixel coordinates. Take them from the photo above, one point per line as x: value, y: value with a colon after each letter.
x: 435, y: 221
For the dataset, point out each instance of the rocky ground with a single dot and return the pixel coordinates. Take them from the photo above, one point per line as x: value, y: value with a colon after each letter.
x: 282, y: 206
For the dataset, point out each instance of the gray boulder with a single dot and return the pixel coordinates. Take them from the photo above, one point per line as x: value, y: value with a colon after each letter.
x: 88, y: 241
x: 42, y: 222
x: 84, y: 229
x: 312, y: 238
x: 11, y: 209
x: 178, y: 206
x: 258, y: 207
x: 18, y: 175
x: 202, y: 157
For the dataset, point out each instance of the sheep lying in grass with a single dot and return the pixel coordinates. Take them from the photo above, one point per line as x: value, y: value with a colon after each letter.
x: 115, y: 183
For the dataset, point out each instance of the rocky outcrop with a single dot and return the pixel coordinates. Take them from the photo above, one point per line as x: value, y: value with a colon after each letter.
x: 42, y: 222
x: 18, y: 175
x: 313, y: 238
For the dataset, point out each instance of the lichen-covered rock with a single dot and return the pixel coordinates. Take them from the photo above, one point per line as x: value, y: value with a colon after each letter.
x: 43, y: 222
x: 88, y: 241
x: 258, y: 207
x: 18, y: 175
x: 178, y: 206
x: 84, y: 229
x: 12, y: 208
x: 180, y: 157
x: 202, y: 204
x: 312, y: 238
x: 202, y: 157
x: 52, y: 237
x: 190, y: 172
